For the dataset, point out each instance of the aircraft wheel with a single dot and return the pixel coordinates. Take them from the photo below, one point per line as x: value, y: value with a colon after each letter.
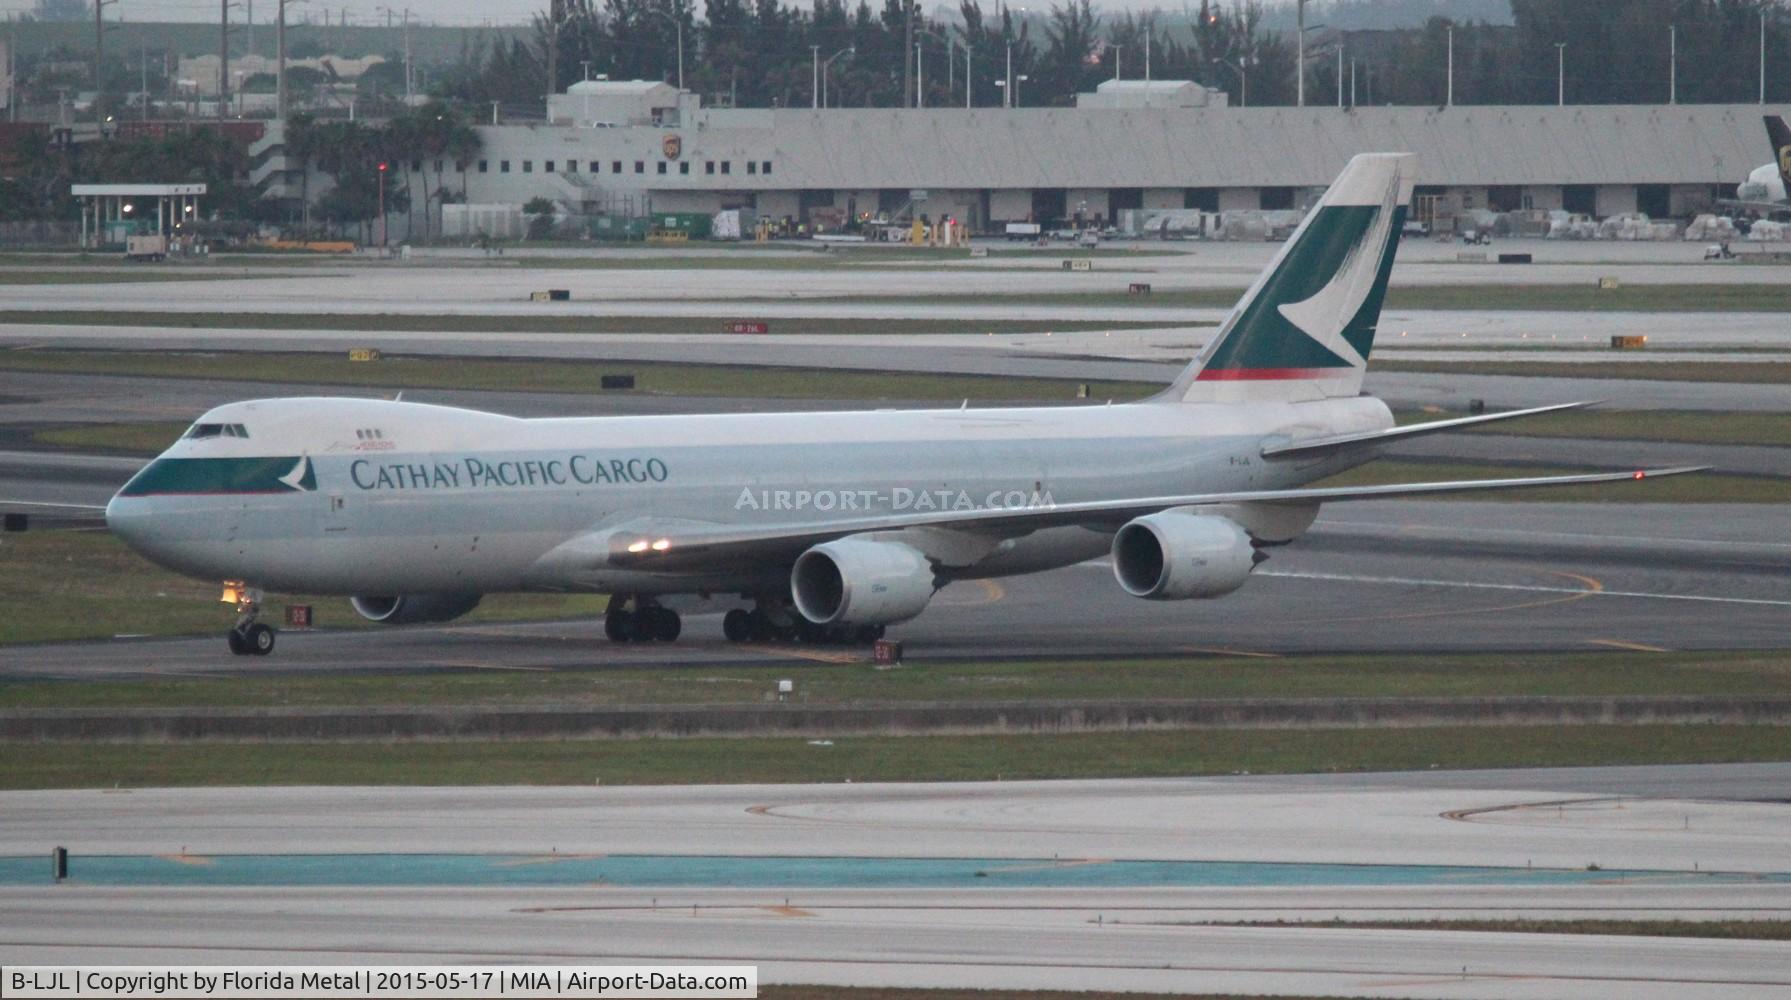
x: 663, y: 624
x: 260, y: 640
x: 237, y: 645
x: 737, y: 625
x: 868, y: 633
x: 758, y: 626
x: 619, y: 626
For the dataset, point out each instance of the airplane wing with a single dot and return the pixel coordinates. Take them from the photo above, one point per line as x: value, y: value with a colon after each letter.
x: 1750, y: 205
x: 641, y: 547
x: 1338, y: 441
x: 36, y: 504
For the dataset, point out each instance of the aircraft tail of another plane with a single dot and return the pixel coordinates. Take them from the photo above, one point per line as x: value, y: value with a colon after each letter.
x: 1781, y: 147
x: 1304, y: 330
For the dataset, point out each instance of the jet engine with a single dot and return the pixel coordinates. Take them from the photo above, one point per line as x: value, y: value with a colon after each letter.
x: 413, y: 609
x: 856, y: 581
x: 1175, y: 555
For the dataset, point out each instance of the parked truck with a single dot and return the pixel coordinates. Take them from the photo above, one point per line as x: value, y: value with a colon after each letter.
x: 153, y: 247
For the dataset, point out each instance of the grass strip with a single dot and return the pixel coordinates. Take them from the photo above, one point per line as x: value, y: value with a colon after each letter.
x: 1735, y: 930
x: 79, y: 276
x: 409, y: 372
x: 1767, y: 372
x: 932, y: 757
x: 1419, y: 675
x: 454, y: 323
x: 1698, y: 487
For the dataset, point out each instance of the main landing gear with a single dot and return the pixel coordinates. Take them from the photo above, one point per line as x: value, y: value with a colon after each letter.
x: 777, y: 623
x: 633, y: 618
x: 646, y: 621
x: 247, y: 637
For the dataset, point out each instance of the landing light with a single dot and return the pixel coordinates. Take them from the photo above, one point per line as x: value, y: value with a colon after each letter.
x: 640, y: 546
x: 233, y: 592
x: 1640, y: 474
x: 662, y: 545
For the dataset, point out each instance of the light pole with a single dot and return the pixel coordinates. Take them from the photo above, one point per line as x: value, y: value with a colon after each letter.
x: 814, y: 87
x: 827, y: 66
x: 1672, y: 64
x: 1762, y: 55
x: 99, y: 44
x: 1007, y: 98
x: 969, y: 80
x: 920, y: 81
x: 1300, y: 53
x: 280, y: 58
x: 678, y: 24
x: 1560, y: 74
x: 382, y: 206
x: 405, y: 14
x: 1007, y: 35
x: 224, y: 57
x: 1118, y: 51
x: 1449, y: 89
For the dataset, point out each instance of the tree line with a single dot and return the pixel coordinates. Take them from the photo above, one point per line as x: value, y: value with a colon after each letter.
x: 763, y: 53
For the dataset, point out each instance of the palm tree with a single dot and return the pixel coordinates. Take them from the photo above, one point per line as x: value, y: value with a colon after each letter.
x: 463, y: 143
x: 301, y: 142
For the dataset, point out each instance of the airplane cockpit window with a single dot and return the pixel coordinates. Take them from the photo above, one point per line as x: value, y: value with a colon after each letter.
x: 205, y: 431
x: 236, y: 431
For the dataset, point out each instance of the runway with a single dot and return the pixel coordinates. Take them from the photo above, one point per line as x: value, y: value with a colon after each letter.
x: 977, y: 933
x: 1385, y: 576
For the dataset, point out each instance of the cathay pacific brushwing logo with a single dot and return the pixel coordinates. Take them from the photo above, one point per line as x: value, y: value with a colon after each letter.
x: 301, y: 477
x: 1325, y: 316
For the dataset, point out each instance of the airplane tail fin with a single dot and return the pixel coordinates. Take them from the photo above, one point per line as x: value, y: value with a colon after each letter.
x: 1305, y: 328
x: 1781, y: 146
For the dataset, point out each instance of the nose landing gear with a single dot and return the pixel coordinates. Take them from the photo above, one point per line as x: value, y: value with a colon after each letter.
x: 247, y: 637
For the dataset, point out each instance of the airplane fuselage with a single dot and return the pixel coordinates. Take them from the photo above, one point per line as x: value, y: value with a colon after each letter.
x: 352, y: 496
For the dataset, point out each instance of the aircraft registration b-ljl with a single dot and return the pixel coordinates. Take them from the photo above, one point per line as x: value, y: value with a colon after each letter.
x: 831, y: 525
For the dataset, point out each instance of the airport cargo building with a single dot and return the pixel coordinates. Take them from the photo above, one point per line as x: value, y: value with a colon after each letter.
x: 644, y: 147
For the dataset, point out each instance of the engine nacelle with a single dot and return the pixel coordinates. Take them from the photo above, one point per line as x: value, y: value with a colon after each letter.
x: 856, y: 581
x: 1174, y: 556
x: 413, y: 609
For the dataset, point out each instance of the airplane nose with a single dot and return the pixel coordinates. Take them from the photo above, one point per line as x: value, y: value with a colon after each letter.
x: 124, y: 523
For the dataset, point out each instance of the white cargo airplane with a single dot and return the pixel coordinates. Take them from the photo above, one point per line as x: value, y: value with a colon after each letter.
x: 1765, y: 190
x: 833, y: 525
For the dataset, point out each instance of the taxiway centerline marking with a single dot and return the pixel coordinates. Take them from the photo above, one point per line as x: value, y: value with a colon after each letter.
x: 1636, y: 646
x: 1220, y: 651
